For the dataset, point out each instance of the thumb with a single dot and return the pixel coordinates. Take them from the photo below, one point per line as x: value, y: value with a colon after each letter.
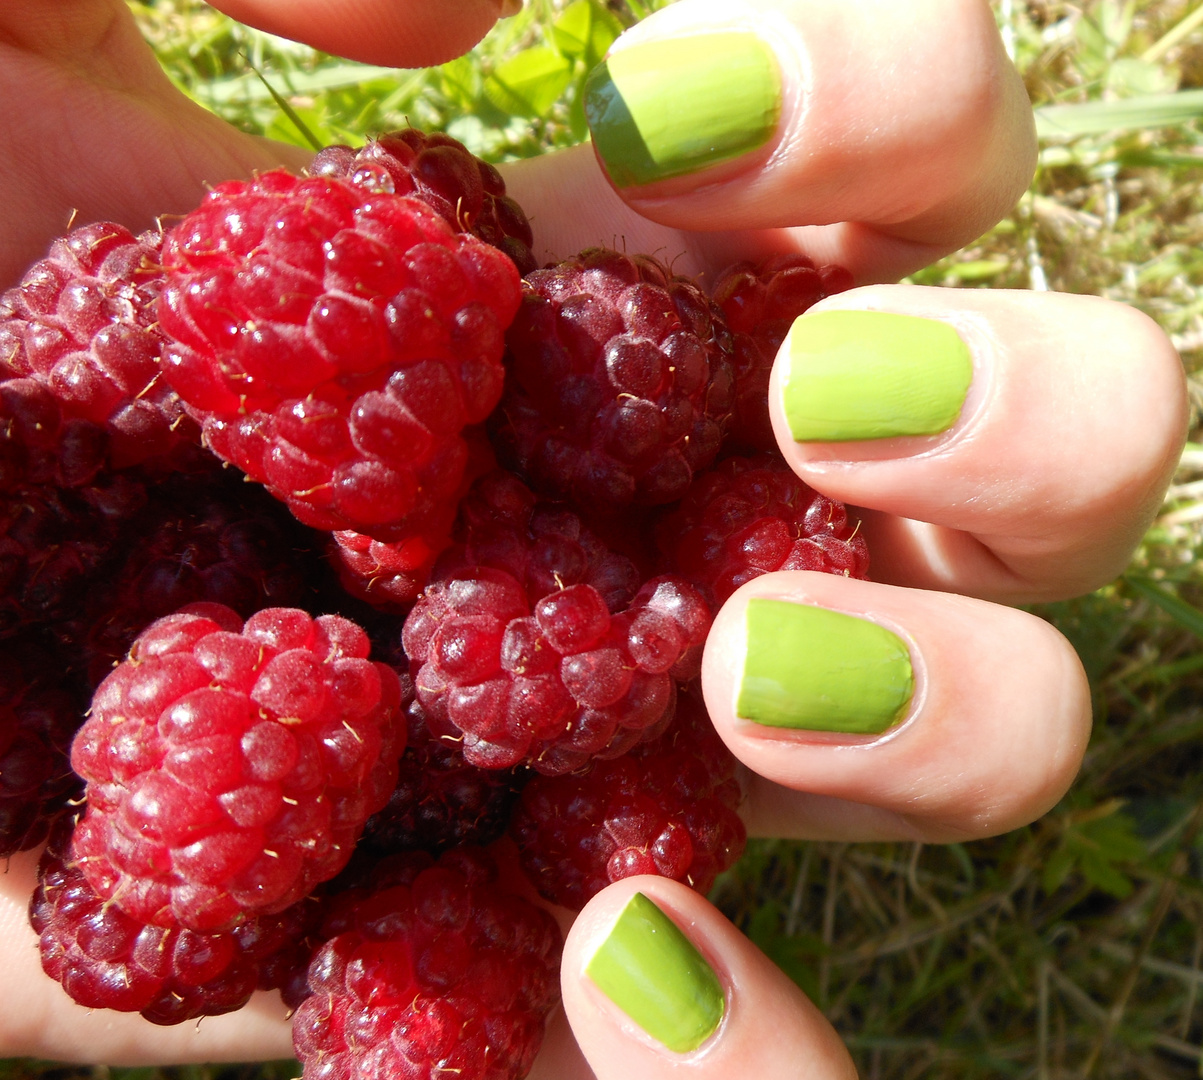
x: 396, y: 33
x: 657, y: 982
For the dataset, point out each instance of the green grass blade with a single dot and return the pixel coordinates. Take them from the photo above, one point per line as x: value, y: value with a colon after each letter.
x: 1136, y: 113
x: 1179, y: 610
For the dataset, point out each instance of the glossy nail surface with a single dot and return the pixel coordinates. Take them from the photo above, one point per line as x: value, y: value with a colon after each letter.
x: 854, y: 375
x: 655, y: 975
x: 809, y: 668
x: 668, y: 108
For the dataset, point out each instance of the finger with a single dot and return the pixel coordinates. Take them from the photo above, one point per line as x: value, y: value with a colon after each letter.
x: 1034, y: 433
x: 657, y: 983
x: 870, y: 712
x: 38, y: 1019
x: 904, y: 123
x: 398, y: 33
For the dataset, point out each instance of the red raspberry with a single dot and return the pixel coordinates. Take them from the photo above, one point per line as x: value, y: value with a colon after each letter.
x: 106, y: 960
x: 82, y: 323
x: 441, y: 801
x: 620, y: 383
x: 206, y: 537
x: 468, y: 193
x: 336, y: 340
x: 40, y: 710
x: 555, y: 681
x: 435, y: 971
x: 752, y: 516
x: 666, y: 808
x: 230, y: 768
x: 761, y: 302
x: 38, y: 445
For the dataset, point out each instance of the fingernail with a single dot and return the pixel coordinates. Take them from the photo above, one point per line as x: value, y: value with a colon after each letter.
x: 667, y: 108
x: 655, y: 975
x: 510, y: 7
x: 809, y: 668
x: 871, y: 374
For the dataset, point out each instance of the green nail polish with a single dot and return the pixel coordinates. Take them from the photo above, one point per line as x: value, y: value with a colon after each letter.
x: 819, y: 670
x: 668, y: 108
x: 872, y: 374
x: 653, y: 973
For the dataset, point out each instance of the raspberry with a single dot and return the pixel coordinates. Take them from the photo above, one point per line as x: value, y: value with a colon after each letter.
x: 82, y: 323
x: 38, y: 445
x: 468, y: 193
x: 752, y: 516
x: 440, y: 801
x: 619, y: 384
x: 40, y: 710
x: 553, y: 682
x: 336, y: 340
x: 231, y: 767
x: 666, y: 808
x: 435, y: 971
x: 106, y: 960
x: 760, y: 303
x: 201, y: 538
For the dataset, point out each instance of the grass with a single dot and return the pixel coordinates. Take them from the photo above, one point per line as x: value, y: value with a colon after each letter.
x: 1069, y: 949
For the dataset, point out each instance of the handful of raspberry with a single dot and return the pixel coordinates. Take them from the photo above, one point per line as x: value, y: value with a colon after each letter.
x: 494, y: 510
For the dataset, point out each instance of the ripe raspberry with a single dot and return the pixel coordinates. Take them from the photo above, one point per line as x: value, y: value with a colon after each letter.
x: 336, y: 341
x: 82, y: 323
x: 619, y: 384
x: 666, y: 808
x: 468, y: 193
x: 106, y: 960
x: 40, y: 710
x: 435, y: 971
x: 555, y: 681
x: 200, y: 538
x: 440, y: 801
x: 760, y: 303
x: 38, y: 445
x: 231, y: 767
x: 752, y: 516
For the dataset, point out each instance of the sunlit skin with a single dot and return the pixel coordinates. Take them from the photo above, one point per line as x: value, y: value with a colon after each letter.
x: 92, y: 129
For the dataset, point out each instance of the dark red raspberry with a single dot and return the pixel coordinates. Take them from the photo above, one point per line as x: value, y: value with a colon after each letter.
x: 441, y: 801
x: 336, y: 340
x: 441, y: 171
x: 666, y: 808
x: 38, y: 445
x: 230, y: 767
x: 104, y: 959
x: 82, y: 323
x: 761, y: 302
x: 555, y: 681
x: 435, y: 971
x: 619, y: 385
x: 41, y: 707
x: 752, y: 516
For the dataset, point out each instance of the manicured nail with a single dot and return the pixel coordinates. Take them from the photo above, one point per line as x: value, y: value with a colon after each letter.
x: 667, y: 108
x: 872, y: 374
x: 653, y: 973
x: 819, y: 670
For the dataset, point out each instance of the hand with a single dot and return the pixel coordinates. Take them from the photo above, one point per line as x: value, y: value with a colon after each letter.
x: 901, y: 134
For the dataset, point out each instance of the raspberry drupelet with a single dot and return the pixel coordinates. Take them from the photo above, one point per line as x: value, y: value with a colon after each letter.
x: 82, y: 323
x: 230, y: 767
x: 336, y: 339
x: 752, y: 516
x: 430, y: 970
x: 619, y: 385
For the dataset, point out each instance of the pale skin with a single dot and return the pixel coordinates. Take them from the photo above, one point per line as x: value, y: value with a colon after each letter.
x: 905, y: 135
